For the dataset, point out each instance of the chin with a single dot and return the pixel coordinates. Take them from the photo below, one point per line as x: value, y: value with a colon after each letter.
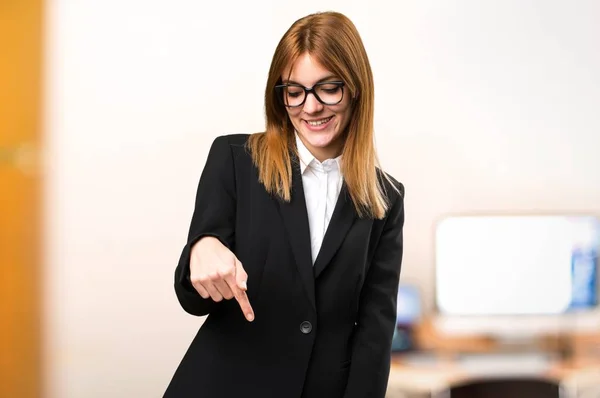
x: 320, y: 139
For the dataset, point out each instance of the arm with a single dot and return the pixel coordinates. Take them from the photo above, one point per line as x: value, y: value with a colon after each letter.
x: 214, y: 215
x: 372, y: 341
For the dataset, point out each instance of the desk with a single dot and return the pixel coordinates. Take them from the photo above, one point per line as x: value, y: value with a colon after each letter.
x: 442, y: 364
x: 435, y: 374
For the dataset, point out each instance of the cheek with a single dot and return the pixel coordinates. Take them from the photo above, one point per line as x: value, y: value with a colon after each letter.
x: 344, y: 119
x: 293, y: 119
x: 293, y: 116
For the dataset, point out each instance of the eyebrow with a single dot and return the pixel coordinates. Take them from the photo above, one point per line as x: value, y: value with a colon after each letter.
x: 329, y: 77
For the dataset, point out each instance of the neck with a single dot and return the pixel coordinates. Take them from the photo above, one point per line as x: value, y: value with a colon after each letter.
x: 332, y: 151
x: 322, y: 154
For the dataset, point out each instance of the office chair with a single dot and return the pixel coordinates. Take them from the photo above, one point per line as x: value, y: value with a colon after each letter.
x: 517, y: 387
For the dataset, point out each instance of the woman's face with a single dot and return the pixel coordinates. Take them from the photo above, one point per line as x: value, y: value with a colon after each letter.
x: 321, y: 127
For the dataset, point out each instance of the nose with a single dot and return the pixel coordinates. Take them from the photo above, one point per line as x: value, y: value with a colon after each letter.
x: 311, y: 104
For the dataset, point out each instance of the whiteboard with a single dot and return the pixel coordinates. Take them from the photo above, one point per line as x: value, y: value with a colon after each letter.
x: 508, y: 265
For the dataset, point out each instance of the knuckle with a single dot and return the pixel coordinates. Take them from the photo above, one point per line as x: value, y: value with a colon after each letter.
x: 198, y: 279
x: 197, y: 285
x: 196, y: 282
x: 214, y: 276
x: 240, y: 269
x: 226, y: 272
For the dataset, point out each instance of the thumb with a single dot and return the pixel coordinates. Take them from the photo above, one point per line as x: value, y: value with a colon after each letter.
x: 241, y: 277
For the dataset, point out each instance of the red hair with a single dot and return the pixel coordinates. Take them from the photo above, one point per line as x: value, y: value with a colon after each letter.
x: 331, y: 39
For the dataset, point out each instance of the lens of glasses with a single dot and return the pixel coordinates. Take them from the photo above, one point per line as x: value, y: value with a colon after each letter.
x: 326, y: 93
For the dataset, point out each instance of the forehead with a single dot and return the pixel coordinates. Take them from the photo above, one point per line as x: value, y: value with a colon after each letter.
x: 306, y: 70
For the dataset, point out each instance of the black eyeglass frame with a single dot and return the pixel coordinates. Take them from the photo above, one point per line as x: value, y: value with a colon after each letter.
x: 279, y: 88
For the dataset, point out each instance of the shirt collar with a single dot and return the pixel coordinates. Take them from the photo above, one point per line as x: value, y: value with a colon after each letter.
x: 307, y: 159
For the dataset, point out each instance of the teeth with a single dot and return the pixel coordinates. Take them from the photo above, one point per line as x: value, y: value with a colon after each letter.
x: 318, y: 122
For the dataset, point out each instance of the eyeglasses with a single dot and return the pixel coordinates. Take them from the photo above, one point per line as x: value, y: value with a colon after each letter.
x: 327, y: 93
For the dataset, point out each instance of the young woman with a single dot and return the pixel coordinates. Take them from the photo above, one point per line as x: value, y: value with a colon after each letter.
x: 295, y: 244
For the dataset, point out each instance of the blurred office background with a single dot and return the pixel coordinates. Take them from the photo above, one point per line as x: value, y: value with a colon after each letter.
x: 107, y: 111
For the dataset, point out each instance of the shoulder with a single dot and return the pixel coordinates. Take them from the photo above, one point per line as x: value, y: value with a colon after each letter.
x: 236, y: 140
x: 392, y: 188
x: 230, y: 145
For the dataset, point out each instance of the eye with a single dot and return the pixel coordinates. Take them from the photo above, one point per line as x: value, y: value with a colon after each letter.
x: 293, y: 91
x: 329, y: 88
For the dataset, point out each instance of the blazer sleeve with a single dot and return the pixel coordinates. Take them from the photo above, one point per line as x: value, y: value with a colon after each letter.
x: 372, y: 340
x: 214, y: 215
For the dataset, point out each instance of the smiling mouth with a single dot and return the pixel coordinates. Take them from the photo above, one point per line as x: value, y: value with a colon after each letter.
x: 319, y: 122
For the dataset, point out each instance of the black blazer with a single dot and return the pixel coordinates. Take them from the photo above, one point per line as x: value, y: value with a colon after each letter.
x: 319, y: 331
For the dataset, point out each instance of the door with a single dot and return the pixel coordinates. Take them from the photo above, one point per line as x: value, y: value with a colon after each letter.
x: 20, y: 198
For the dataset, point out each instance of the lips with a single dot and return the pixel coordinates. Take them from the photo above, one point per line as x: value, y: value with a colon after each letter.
x: 318, y: 122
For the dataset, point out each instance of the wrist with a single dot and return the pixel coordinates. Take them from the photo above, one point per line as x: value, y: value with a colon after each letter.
x: 205, y: 241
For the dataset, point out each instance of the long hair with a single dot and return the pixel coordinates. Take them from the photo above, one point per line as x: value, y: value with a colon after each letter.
x: 333, y: 40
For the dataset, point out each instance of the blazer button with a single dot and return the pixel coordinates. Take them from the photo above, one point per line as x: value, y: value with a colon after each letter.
x: 306, y: 327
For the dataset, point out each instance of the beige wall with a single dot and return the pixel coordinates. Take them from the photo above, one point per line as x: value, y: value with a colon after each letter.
x: 480, y: 108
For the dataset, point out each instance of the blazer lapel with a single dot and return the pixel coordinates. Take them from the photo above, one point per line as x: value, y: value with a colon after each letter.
x: 342, y: 219
x: 295, y: 218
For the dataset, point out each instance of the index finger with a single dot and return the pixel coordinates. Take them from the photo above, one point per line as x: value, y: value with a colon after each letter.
x: 242, y: 299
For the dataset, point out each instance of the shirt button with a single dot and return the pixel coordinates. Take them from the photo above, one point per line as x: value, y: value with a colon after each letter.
x: 306, y: 327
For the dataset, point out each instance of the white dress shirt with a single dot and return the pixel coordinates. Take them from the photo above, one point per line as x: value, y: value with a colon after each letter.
x: 322, y: 183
